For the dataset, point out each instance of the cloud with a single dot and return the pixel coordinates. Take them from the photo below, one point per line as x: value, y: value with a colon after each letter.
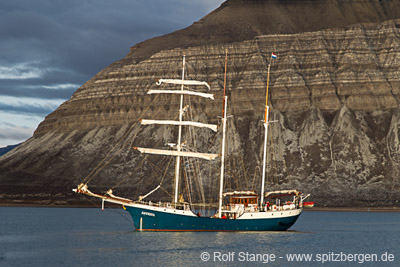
x: 19, y: 71
x: 55, y: 91
x: 21, y: 120
x: 16, y: 133
x: 81, y: 37
x: 26, y: 109
x: 28, y: 106
x: 49, y: 48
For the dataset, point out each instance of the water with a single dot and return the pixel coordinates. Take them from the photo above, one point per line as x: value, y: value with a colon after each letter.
x: 91, y: 237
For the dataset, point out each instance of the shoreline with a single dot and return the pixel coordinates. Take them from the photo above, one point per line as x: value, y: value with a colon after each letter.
x: 110, y: 205
x: 355, y: 209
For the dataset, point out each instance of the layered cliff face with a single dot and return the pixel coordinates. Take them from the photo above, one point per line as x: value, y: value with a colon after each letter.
x: 240, y: 20
x: 334, y: 94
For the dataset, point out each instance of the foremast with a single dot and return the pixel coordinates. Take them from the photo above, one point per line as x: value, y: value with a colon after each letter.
x: 178, y: 153
x: 178, y: 144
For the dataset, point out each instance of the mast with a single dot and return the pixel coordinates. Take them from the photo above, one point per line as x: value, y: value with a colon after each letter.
x: 178, y: 153
x: 224, y: 106
x: 178, y: 145
x: 266, y: 122
x: 226, y: 65
x: 221, y: 183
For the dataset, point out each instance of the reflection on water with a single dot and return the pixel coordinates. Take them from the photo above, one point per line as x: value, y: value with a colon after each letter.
x: 91, y: 237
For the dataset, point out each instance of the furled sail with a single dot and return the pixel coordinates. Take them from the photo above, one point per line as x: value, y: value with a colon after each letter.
x: 206, y: 156
x: 183, y: 123
x: 183, y: 82
x: 181, y: 92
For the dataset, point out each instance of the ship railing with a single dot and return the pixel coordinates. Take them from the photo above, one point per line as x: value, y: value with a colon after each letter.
x: 289, y: 206
x: 168, y: 205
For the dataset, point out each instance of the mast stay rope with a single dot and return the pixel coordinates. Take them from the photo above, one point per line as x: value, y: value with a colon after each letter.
x: 113, y: 152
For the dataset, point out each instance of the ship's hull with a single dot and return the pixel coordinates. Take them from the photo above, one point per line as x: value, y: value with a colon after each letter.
x: 147, y: 218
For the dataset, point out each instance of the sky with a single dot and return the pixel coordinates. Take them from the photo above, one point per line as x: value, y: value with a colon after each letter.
x: 48, y: 48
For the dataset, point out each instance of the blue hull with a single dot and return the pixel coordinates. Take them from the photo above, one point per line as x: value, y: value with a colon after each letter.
x: 146, y: 220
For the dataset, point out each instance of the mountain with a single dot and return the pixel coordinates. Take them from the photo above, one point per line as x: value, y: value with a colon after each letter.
x: 240, y: 20
x: 4, y: 150
x: 334, y: 92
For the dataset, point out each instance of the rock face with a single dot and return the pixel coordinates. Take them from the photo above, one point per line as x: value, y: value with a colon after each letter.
x: 240, y: 20
x: 334, y: 93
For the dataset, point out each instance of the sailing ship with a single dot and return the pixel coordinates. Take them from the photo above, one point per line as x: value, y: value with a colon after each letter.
x: 241, y: 210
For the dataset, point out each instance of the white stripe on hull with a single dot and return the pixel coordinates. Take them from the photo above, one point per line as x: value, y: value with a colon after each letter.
x: 245, y: 216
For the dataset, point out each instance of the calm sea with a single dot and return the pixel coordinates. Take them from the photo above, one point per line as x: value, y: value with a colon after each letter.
x: 91, y: 237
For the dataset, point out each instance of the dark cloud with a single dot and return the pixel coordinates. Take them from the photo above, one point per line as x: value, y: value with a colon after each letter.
x: 84, y: 36
x: 81, y: 37
x: 39, y: 92
x: 48, y: 48
x: 27, y: 109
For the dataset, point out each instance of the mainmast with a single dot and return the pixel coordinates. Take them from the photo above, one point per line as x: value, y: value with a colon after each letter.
x: 224, y: 106
x: 266, y: 122
x: 221, y: 183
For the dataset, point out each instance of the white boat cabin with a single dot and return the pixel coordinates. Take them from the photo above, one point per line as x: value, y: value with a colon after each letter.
x: 242, y: 201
